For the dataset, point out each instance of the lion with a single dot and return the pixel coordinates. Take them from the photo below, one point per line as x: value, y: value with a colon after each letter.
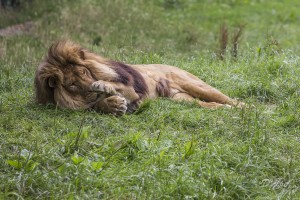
x: 73, y: 77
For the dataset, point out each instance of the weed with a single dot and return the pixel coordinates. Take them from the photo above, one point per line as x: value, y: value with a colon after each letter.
x: 236, y: 40
x: 223, y: 41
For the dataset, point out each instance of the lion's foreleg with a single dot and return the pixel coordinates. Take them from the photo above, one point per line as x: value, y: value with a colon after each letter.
x: 103, y: 87
x: 117, y: 90
x: 108, y: 101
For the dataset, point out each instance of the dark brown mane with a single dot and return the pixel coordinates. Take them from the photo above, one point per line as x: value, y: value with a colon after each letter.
x: 129, y: 76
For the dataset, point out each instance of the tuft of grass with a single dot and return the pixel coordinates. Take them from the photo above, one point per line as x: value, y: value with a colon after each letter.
x: 236, y: 40
x: 223, y: 41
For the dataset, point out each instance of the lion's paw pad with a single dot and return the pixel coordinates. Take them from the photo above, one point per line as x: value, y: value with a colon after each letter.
x: 117, y: 105
x: 101, y: 86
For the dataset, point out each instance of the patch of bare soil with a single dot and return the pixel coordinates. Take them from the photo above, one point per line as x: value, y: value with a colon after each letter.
x: 18, y: 29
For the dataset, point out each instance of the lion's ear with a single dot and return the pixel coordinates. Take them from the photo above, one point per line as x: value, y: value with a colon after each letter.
x: 52, y: 82
x: 82, y: 54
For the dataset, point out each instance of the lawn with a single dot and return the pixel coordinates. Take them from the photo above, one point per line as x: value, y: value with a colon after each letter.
x: 166, y: 150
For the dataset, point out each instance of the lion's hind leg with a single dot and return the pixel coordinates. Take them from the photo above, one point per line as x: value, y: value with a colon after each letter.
x: 188, y: 98
x: 191, y: 87
x: 209, y: 95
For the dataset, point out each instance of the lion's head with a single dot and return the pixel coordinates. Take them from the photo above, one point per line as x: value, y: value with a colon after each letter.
x: 64, y: 77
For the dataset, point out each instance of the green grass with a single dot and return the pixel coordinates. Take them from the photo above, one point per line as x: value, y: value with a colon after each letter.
x: 166, y: 150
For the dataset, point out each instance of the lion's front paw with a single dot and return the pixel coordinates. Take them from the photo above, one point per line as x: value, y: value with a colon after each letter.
x: 101, y: 86
x: 115, y: 105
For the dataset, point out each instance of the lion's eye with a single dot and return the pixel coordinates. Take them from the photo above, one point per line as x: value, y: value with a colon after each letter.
x: 85, y: 72
x: 73, y: 87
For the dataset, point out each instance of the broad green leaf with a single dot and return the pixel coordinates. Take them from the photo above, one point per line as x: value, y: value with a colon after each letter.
x: 77, y: 159
x: 14, y: 163
x: 97, y: 165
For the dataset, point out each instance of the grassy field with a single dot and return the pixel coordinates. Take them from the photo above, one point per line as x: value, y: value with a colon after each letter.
x: 166, y: 150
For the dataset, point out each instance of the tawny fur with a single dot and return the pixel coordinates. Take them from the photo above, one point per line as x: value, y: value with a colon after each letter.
x: 73, y: 77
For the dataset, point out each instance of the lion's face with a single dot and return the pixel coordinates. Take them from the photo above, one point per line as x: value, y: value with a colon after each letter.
x: 71, y: 87
x: 73, y: 90
x: 76, y: 80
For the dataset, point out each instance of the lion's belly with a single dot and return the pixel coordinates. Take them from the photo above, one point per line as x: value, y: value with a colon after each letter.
x: 166, y: 78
